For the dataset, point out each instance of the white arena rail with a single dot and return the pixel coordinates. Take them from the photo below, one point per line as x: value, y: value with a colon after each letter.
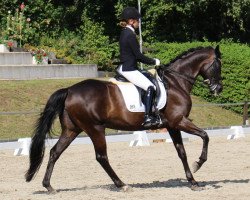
x: 138, y: 138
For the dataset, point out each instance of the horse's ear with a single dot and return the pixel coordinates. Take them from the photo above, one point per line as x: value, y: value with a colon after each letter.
x: 217, y: 51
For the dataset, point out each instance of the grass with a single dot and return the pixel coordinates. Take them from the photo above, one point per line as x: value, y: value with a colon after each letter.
x: 213, y: 116
x: 32, y: 95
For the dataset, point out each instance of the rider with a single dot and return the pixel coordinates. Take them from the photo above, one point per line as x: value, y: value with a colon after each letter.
x: 129, y: 55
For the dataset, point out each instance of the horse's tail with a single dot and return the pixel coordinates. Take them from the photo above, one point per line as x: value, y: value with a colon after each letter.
x: 54, y: 107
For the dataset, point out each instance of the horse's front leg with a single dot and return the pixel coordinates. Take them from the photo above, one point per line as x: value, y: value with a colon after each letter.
x: 187, y: 126
x: 178, y: 143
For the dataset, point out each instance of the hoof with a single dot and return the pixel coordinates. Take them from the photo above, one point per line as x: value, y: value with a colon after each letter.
x: 126, y: 188
x: 196, y: 188
x: 195, y: 166
x: 51, y: 191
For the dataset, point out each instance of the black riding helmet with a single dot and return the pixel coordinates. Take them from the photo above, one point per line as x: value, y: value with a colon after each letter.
x: 130, y: 13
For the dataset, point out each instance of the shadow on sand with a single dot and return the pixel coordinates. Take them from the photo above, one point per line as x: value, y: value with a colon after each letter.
x: 172, y: 183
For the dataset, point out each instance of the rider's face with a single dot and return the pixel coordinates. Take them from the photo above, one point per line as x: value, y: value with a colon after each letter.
x: 134, y: 23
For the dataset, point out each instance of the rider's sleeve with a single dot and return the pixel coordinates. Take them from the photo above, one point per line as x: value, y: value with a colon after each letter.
x: 134, y: 45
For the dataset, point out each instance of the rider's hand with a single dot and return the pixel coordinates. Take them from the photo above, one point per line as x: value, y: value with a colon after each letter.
x: 157, y: 62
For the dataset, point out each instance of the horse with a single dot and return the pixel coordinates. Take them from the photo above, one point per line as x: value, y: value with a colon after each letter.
x: 94, y: 105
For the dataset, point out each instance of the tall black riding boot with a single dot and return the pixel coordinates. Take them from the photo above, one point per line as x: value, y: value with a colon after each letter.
x: 149, y: 119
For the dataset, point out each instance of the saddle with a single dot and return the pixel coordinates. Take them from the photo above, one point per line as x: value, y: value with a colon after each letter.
x: 150, y: 75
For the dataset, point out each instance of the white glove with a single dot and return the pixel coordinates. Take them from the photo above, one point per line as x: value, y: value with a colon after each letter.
x: 157, y: 62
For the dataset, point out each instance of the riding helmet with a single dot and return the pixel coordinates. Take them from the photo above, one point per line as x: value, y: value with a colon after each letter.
x: 130, y: 13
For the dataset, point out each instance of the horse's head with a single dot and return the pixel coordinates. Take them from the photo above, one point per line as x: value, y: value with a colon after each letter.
x: 211, y: 72
x: 204, y: 61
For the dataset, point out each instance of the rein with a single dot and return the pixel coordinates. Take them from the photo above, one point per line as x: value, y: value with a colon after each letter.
x: 188, y: 78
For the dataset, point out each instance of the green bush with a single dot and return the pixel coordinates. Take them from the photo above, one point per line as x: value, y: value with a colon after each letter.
x: 86, y: 45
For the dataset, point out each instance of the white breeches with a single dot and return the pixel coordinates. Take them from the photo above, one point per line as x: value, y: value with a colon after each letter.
x: 137, y: 78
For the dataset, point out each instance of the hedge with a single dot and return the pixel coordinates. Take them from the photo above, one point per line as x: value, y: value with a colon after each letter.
x: 235, y: 69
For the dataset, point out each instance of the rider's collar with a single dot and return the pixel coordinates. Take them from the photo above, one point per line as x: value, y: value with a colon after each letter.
x: 130, y: 27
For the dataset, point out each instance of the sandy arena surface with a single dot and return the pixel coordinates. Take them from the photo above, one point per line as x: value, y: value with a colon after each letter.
x: 153, y: 172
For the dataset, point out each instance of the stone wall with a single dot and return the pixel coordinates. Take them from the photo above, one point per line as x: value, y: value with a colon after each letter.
x: 15, y: 58
x: 52, y: 71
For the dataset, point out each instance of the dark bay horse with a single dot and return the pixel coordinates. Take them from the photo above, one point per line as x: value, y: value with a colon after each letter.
x: 93, y: 105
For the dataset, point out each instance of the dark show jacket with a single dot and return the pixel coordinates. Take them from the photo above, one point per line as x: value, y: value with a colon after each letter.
x: 130, y: 51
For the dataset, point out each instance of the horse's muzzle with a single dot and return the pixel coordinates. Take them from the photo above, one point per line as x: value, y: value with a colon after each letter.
x: 216, y: 89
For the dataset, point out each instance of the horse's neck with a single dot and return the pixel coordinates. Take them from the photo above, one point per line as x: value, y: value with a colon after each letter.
x: 187, y: 75
x: 191, y: 69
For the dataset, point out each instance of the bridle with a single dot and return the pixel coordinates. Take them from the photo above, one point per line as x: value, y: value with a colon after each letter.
x: 215, y: 75
x: 190, y: 79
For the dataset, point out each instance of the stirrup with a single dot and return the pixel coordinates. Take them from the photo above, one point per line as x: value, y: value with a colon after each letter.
x: 151, y: 121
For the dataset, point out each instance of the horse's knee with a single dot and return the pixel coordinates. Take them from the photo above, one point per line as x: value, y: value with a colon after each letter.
x: 101, y: 158
x: 205, y: 138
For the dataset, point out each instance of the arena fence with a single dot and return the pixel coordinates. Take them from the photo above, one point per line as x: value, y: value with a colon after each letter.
x: 137, y: 138
x: 245, y: 107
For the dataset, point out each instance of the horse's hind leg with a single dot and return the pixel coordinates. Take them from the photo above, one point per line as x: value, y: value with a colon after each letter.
x: 178, y: 143
x: 97, y: 135
x: 64, y: 141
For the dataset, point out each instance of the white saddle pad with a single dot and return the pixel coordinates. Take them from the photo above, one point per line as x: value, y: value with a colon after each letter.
x: 131, y: 95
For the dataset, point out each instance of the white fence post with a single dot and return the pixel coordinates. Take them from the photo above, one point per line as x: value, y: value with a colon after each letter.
x: 238, y: 133
x: 140, y: 140
x: 24, y: 148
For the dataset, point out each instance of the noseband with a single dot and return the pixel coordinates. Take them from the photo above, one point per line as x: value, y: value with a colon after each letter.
x: 215, y: 75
